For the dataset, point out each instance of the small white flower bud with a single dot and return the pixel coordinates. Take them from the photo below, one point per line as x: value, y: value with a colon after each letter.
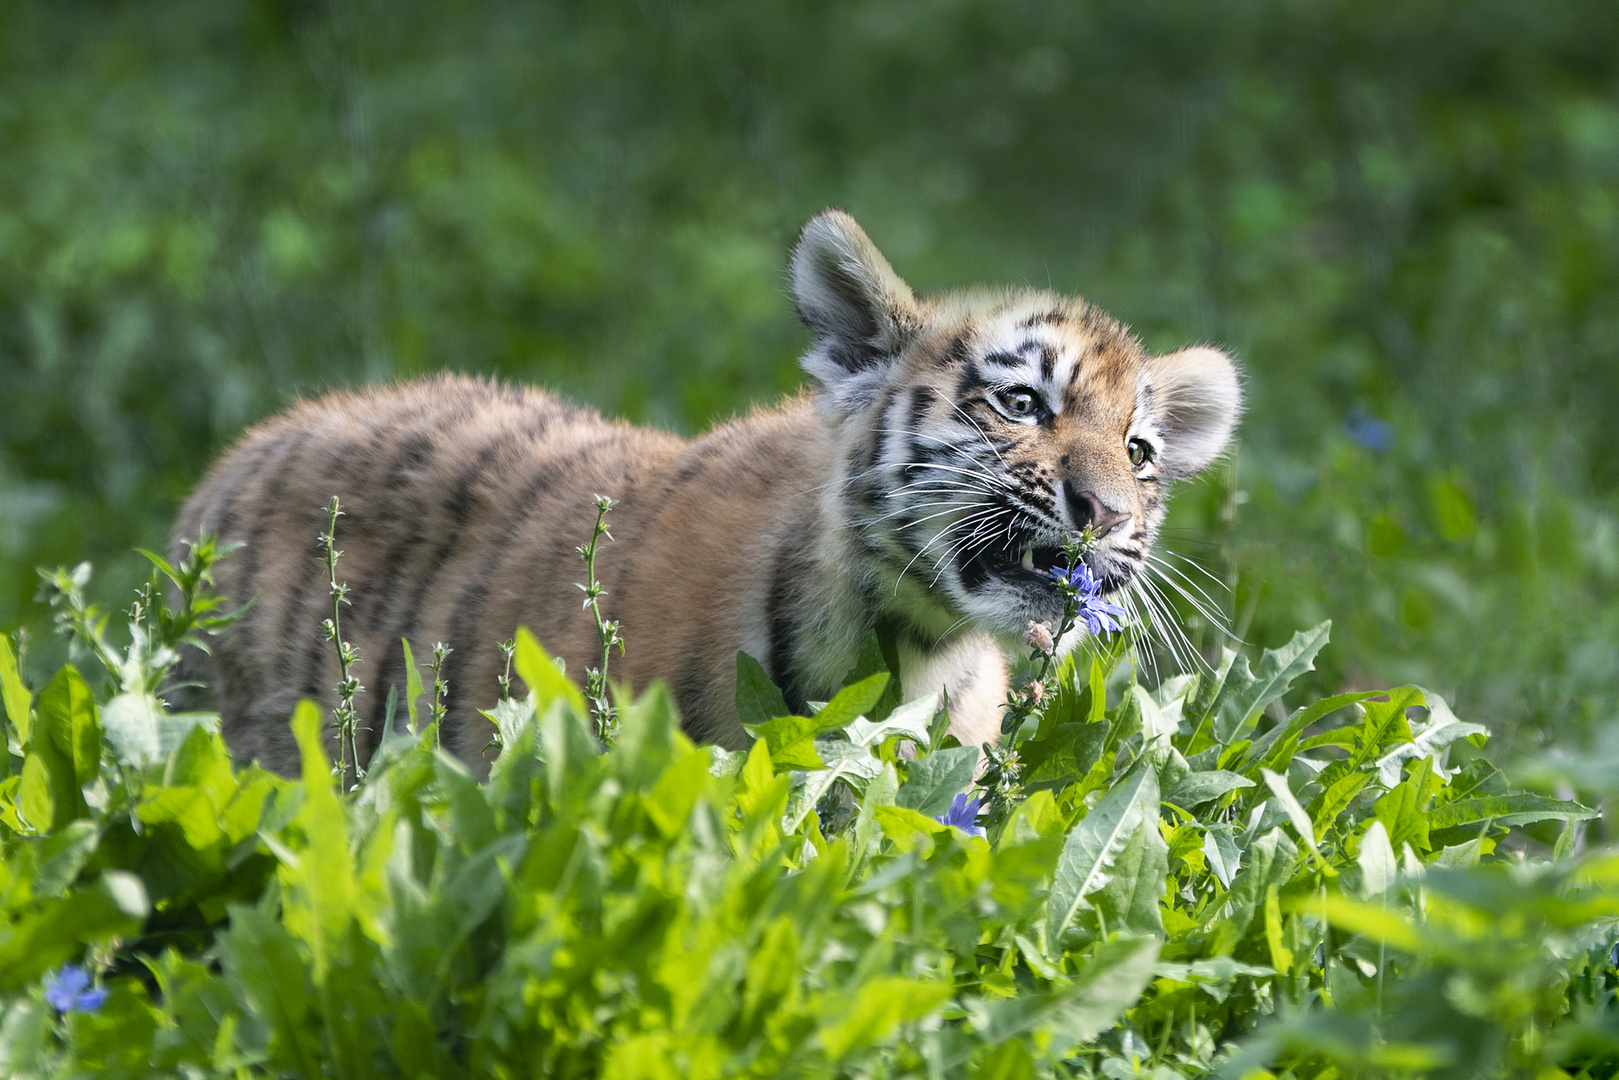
x: 1039, y: 637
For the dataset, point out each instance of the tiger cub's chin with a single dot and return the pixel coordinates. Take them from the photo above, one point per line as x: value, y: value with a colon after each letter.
x: 925, y: 485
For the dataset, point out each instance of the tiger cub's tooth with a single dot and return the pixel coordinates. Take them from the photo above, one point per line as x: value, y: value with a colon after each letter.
x: 1028, y: 558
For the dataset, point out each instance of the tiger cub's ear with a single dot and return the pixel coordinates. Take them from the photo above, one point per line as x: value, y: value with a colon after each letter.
x: 860, y: 310
x: 1196, y: 400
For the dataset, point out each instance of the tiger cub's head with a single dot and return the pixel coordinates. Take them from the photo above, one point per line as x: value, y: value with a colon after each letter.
x: 981, y: 428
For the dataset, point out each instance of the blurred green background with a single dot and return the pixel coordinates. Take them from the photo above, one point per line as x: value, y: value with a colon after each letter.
x: 1403, y: 217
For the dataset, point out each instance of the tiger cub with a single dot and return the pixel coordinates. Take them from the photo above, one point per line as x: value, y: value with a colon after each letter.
x: 925, y: 482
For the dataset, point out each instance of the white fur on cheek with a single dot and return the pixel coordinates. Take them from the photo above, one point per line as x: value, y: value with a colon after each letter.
x: 1197, y: 398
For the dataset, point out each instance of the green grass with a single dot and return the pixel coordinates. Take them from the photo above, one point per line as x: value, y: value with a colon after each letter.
x: 208, y: 207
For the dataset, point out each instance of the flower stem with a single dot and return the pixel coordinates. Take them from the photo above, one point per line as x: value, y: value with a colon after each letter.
x: 602, y: 710
x: 344, y: 717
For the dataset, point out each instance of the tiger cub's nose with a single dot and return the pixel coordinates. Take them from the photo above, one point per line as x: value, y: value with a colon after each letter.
x: 1086, y: 509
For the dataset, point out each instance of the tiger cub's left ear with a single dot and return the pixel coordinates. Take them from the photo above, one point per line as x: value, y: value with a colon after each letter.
x: 1197, y: 398
x: 860, y: 310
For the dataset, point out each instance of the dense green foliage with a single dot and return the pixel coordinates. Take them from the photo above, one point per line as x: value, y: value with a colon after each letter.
x: 1393, y: 213
x: 1187, y: 881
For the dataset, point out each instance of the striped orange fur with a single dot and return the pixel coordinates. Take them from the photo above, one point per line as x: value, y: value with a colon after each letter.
x: 924, y: 482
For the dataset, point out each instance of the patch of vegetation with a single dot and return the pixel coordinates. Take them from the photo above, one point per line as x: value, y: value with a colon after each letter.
x: 1184, y: 881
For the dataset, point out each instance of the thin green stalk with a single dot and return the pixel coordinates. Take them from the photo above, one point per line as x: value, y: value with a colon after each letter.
x: 441, y: 687
x: 344, y: 717
x: 602, y: 710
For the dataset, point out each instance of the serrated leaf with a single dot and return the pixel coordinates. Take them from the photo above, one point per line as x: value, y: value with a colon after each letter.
x: 1404, y: 811
x: 1272, y: 749
x: 1337, y: 798
x: 1521, y: 809
x: 1242, y: 701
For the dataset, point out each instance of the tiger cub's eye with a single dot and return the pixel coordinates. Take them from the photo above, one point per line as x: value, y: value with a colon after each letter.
x: 1019, y: 402
x: 1140, y: 452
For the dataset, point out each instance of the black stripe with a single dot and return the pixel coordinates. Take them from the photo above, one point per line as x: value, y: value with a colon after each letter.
x: 468, y: 613
x: 782, y: 605
x: 970, y: 381
x: 1004, y: 359
x: 1045, y: 318
x: 881, y: 431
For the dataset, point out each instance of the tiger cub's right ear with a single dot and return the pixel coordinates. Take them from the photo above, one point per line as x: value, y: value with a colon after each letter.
x: 860, y: 310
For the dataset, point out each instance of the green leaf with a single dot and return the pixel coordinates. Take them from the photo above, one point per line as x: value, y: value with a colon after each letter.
x: 63, y: 728
x: 539, y: 672
x: 131, y: 724
x: 912, y: 719
x: 1521, y: 809
x: 1108, y: 984
x: 877, y: 1009
x: 115, y: 906
x: 1276, y: 747
x: 35, y: 801
x: 1135, y: 885
x: 879, y: 652
x: 1269, y: 860
x: 319, y: 894
x: 268, y: 977
x: 1404, y: 810
x: 1197, y: 788
x: 62, y: 855
x: 1242, y: 700
x: 413, y: 686
x: 1290, y: 804
x: 1065, y: 753
x: 854, y: 701
x: 1336, y: 799
x: 67, y: 715
x: 1222, y: 853
x: 933, y: 782
x: 1281, y: 957
x: 1378, y: 868
x: 758, y: 700
x: 791, y: 740
x: 1091, y: 847
x: 15, y: 698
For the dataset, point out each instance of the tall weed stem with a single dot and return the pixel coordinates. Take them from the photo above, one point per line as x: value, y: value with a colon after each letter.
x: 602, y: 709
x: 344, y: 717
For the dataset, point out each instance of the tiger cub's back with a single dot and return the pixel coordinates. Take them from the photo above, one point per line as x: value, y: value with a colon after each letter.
x: 453, y: 492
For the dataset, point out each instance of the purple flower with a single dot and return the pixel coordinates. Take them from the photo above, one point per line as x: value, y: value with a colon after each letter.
x: 69, y: 990
x: 1368, y: 431
x: 1095, y: 614
x: 963, y: 815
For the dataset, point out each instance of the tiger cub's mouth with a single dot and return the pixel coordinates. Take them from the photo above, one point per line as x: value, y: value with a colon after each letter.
x: 1024, y: 562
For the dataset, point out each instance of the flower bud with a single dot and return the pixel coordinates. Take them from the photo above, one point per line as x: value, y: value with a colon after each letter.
x: 1038, y: 635
x: 1037, y: 693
